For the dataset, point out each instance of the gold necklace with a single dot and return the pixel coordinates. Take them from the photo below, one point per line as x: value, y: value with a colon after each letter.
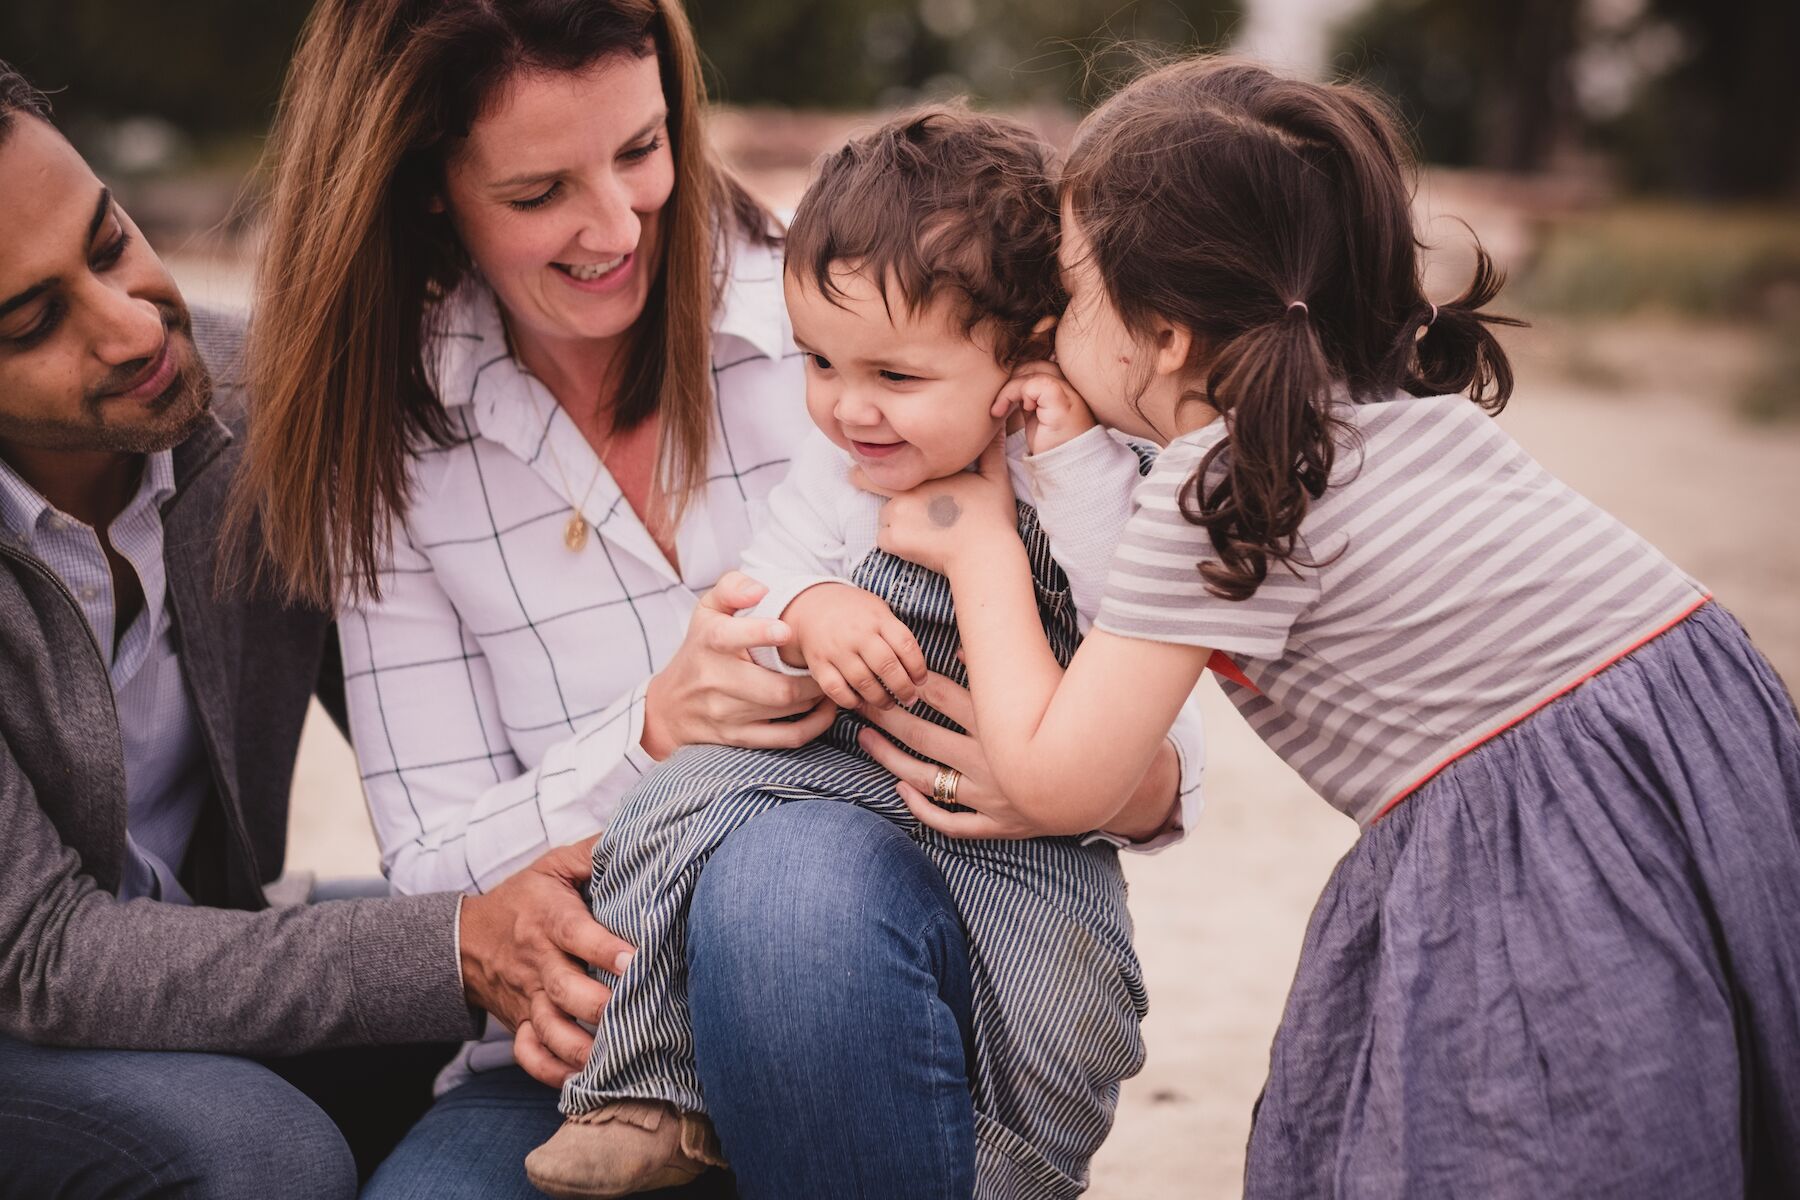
x: 575, y: 532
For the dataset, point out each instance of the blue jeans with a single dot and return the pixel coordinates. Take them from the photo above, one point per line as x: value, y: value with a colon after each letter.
x: 829, y: 984
x: 127, y: 1123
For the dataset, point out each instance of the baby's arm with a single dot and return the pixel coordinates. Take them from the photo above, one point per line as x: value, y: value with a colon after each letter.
x: 846, y: 638
x: 1069, y: 750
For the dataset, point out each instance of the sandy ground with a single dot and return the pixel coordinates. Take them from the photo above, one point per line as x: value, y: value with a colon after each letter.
x: 1636, y: 416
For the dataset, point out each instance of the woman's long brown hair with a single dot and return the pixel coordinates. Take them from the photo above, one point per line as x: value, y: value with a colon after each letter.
x: 354, y: 264
x: 1272, y: 219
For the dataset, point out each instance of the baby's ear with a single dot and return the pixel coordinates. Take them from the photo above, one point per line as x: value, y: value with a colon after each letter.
x: 1040, y: 344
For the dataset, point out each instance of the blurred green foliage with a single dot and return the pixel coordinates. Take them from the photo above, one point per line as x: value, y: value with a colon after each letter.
x: 208, y: 66
x: 859, y: 53
x: 1707, y: 262
x: 1694, y: 96
x: 1702, y: 261
x: 215, y: 66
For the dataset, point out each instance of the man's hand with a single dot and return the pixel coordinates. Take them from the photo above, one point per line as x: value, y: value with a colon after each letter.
x: 855, y: 647
x: 523, y: 946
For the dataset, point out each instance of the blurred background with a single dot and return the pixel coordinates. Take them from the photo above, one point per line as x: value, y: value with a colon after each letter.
x: 1634, y: 165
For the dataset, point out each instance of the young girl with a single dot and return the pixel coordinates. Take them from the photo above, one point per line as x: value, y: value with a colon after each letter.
x: 1561, y: 960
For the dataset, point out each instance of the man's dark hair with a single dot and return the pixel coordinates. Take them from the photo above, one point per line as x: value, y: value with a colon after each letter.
x: 17, y: 95
x: 942, y: 201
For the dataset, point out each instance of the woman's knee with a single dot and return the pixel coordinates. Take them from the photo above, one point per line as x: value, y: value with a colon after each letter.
x: 821, y: 883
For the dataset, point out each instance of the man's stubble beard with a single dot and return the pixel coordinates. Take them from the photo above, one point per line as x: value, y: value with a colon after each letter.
x: 174, y: 416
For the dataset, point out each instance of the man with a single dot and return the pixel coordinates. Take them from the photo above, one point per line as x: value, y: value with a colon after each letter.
x: 153, y: 1008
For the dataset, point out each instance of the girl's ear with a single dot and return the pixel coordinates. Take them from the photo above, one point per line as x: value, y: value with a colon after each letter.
x: 1173, y: 348
x: 435, y: 203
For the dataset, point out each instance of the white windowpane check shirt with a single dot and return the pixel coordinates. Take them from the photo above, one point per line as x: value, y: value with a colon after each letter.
x: 496, y: 690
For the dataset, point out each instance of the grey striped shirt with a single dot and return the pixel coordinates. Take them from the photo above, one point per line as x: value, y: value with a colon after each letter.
x: 1459, y: 587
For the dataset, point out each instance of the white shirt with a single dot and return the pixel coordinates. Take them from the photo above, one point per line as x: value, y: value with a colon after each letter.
x: 496, y: 691
x: 820, y: 526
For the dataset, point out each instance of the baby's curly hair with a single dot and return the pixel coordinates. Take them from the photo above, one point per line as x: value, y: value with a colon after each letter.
x: 941, y: 200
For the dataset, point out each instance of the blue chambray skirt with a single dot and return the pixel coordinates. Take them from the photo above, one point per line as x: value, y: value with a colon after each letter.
x: 1569, y: 965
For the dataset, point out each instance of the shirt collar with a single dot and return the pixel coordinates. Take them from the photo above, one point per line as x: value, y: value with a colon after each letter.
x: 20, y: 504
x: 752, y: 306
x: 23, y: 509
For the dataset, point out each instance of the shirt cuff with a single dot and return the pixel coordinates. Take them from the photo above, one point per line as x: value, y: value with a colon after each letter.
x: 456, y: 942
x: 1097, y: 443
x: 639, y: 706
x: 1181, y: 819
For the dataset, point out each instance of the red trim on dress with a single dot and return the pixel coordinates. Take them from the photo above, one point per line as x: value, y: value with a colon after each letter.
x: 1222, y: 666
x: 1556, y: 695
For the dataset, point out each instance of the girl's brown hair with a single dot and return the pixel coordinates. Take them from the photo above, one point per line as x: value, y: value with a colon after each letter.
x: 378, y: 95
x: 1272, y: 219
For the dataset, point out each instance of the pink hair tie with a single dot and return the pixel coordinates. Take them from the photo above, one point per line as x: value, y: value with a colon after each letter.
x: 1301, y: 305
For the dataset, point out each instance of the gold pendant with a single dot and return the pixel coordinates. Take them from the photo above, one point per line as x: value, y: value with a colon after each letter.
x: 575, y: 532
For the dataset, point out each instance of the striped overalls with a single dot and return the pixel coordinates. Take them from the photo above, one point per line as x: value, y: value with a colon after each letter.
x: 1058, y: 995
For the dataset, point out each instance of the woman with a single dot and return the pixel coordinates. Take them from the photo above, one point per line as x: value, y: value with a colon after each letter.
x: 523, y: 374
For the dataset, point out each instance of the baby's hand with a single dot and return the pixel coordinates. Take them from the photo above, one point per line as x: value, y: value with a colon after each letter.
x: 855, y: 647
x: 1054, y: 412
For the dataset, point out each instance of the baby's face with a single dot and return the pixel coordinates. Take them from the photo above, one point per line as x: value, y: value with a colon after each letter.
x: 908, y: 395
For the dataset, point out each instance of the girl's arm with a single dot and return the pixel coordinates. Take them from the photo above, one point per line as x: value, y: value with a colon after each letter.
x: 1069, y: 749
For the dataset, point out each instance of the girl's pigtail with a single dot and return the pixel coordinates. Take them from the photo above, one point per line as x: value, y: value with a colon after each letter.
x: 1273, y: 384
x: 1459, y: 352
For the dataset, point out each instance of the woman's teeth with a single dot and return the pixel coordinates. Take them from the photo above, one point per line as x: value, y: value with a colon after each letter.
x: 588, y: 272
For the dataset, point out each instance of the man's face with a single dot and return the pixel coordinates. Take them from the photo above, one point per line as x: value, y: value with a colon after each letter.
x: 95, y: 352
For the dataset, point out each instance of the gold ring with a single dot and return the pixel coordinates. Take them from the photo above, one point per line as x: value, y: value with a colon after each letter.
x: 943, y: 787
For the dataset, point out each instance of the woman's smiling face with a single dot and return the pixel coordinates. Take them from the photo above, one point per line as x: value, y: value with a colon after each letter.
x: 557, y: 195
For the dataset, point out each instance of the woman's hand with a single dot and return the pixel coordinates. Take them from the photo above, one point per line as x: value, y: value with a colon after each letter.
x: 995, y: 816
x: 710, y: 692
x: 954, y: 518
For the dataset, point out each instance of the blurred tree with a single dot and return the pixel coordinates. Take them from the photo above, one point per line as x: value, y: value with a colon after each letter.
x: 1724, y: 119
x: 1484, y: 84
x: 1695, y: 95
x: 207, y: 65
x: 213, y: 66
x: 856, y: 53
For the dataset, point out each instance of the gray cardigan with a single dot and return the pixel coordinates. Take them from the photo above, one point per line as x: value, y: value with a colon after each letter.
x: 78, y: 967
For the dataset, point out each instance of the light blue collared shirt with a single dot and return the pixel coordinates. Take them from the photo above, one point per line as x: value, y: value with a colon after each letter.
x: 166, y: 776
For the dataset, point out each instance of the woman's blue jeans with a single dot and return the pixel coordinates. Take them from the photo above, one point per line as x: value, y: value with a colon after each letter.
x: 829, y: 984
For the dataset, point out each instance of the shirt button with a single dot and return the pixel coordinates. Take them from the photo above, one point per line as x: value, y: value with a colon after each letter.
x: 57, y: 522
x: 89, y: 593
